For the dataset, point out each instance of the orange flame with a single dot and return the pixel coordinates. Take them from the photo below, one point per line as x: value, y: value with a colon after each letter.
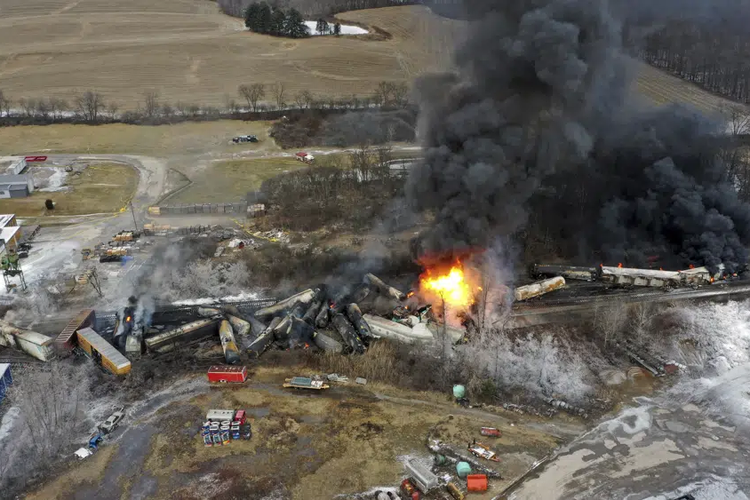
x: 619, y: 265
x: 712, y: 279
x: 410, y: 294
x: 451, y: 287
x: 691, y: 266
x: 127, y: 320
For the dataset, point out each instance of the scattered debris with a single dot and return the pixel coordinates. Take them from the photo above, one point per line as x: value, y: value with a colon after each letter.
x: 361, y: 381
x: 409, y: 490
x: 456, y: 493
x: 483, y: 451
x: 335, y: 377
x: 421, y: 476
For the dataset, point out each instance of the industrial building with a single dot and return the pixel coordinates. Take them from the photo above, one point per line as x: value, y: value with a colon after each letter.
x: 10, y: 231
x: 16, y: 186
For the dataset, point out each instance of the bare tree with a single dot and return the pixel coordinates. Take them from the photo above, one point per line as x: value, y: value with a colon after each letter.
x: 43, y: 108
x: 151, y: 105
x: 279, y: 94
x: 4, y: 104
x: 230, y: 104
x: 181, y: 109
x: 112, y: 109
x: 51, y: 403
x: 167, y: 111
x: 252, y: 94
x: 89, y: 105
x: 28, y: 106
x: 641, y: 316
x: 384, y: 93
x: 304, y: 99
x: 58, y: 107
x: 609, y: 321
x: 400, y: 92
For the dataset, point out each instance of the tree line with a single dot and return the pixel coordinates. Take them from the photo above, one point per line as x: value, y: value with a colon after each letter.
x: 715, y: 59
x: 313, y: 8
x: 266, y: 20
x: 270, y: 100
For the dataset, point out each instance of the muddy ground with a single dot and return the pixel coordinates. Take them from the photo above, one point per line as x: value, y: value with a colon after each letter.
x: 306, y: 445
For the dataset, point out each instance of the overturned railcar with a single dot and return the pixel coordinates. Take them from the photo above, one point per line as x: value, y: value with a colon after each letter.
x: 567, y: 272
x: 629, y: 276
x: 186, y: 333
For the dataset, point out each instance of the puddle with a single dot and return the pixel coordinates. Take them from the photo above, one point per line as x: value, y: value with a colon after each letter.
x: 261, y: 412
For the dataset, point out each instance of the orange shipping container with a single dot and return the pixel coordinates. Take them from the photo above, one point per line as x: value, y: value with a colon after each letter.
x: 476, y: 482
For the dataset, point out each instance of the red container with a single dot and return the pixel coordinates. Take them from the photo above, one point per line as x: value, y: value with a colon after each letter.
x: 224, y: 374
x: 35, y: 158
x: 476, y: 482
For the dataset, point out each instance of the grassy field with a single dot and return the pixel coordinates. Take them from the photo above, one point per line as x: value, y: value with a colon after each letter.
x: 226, y: 181
x: 188, y: 51
x: 161, y: 140
x: 100, y: 188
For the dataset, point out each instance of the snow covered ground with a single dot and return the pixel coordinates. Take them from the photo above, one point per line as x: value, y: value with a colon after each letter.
x: 345, y: 29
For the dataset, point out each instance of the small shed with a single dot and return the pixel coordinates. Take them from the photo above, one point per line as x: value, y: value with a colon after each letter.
x: 6, y: 379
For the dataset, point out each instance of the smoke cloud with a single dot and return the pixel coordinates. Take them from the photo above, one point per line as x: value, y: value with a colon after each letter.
x: 536, y: 130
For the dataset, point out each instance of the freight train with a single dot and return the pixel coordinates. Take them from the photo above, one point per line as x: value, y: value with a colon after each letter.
x: 628, y: 276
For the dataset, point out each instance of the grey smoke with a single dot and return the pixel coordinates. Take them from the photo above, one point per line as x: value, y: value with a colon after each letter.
x: 536, y: 130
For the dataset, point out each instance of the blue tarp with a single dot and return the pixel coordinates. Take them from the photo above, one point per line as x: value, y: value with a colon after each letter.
x: 5, y: 379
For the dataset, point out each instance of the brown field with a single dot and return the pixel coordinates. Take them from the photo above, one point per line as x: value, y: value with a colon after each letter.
x: 101, y: 188
x: 187, y: 51
x: 661, y: 88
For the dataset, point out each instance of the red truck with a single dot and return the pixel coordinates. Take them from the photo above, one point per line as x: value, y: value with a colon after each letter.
x: 224, y: 374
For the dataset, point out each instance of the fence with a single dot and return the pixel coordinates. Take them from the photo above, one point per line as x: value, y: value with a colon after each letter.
x: 199, y: 208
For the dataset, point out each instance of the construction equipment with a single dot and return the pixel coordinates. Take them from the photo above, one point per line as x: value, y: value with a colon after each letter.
x: 11, y: 269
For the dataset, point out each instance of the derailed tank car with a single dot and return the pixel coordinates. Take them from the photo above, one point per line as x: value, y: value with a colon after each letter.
x: 539, y: 288
x: 625, y: 276
x: 567, y: 272
x: 187, y: 333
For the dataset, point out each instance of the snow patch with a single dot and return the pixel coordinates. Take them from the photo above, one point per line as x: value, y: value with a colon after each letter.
x: 56, y: 181
x: 345, y: 29
x: 240, y: 297
x: 8, y: 422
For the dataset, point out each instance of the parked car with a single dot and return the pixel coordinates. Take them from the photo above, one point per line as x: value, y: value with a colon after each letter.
x: 244, y: 138
x: 112, y: 422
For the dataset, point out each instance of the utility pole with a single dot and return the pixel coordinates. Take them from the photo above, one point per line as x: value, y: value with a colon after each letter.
x: 132, y: 211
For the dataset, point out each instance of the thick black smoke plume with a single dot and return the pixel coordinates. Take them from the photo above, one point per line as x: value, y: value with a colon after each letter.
x: 536, y: 130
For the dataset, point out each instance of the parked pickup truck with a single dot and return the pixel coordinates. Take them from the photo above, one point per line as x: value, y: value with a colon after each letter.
x: 112, y: 422
x: 244, y: 138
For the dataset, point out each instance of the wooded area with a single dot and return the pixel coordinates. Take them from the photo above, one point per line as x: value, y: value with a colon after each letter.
x: 715, y: 59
